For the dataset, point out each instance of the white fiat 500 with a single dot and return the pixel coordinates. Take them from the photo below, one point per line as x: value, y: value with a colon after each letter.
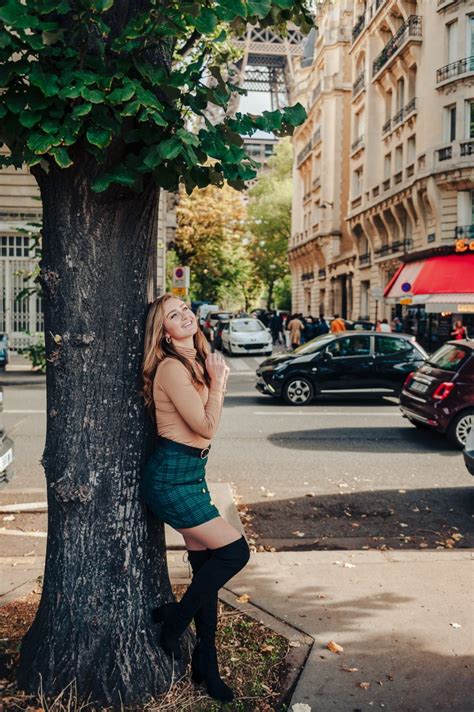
x: 246, y: 336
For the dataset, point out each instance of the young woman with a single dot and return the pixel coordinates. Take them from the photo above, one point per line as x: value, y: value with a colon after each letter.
x: 183, y: 388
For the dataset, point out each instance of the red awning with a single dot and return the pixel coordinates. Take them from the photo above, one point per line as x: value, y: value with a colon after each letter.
x: 450, y: 277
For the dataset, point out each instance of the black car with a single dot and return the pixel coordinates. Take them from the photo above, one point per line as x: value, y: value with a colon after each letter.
x: 360, y: 361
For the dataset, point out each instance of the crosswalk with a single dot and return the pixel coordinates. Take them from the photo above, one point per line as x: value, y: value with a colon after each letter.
x: 242, y: 365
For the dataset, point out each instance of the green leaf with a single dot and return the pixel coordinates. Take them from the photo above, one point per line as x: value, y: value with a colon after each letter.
x: 81, y: 110
x: 39, y: 142
x: 121, y: 175
x: 206, y: 22
x: 99, y: 137
x: 261, y: 8
x: 92, y: 95
x: 121, y: 94
x: 62, y: 157
x: 15, y: 102
x: 29, y: 118
x: 170, y: 148
x: 228, y: 10
x: 101, y: 5
x: 294, y: 115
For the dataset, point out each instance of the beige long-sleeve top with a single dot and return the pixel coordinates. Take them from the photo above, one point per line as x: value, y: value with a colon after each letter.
x: 186, y: 412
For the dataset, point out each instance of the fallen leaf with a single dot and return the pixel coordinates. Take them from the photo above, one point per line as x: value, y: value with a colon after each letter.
x: 300, y: 707
x: 402, y: 491
x: 298, y: 533
x: 402, y: 524
x: 349, y: 669
x: 294, y: 644
x: 344, y: 565
x: 364, y: 685
x: 9, y: 518
x: 267, y: 648
x: 244, y: 598
x: 424, y: 545
x: 455, y: 625
x: 334, y: 647
x: 269, y: 494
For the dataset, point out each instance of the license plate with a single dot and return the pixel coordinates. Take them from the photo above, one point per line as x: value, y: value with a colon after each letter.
x: 419, y: 387
x: 6, y: 459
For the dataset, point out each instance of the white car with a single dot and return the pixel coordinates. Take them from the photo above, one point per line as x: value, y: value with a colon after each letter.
x: 246, y: 336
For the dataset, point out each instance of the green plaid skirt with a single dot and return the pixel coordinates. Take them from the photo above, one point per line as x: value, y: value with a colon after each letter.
x: 174, y: 487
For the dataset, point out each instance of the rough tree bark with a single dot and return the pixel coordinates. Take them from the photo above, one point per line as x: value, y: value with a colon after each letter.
x: 105, y: 562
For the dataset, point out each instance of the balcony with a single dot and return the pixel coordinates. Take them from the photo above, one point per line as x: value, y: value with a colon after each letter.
x: 410, y: 170
x: 359, y: 84
x: 358, y: 27
x: 322, y: 274
x: 365, y: 260
x: 357, y: 144
x: 444, y: 3
x: 386, y: 184
x: 387, y: 126
x: 398, y: 117
x: 307, y: 276
x: 444, y: 154
x: 455, y: 69
x: 410, y: 108
x: 411, y: 29
x: 398, y: 177
x: 467, y: 148
x: 304, y: 153
x: 464, y: 232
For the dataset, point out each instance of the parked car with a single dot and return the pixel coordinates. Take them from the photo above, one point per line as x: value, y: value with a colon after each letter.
x: 203, y: 311
x: 216, y: 317
x: 360, y: 361
x: 6, y: 451
x: 469, y: 451
x: 440, y: 395
x: 245, y: 336
x: 218, y: 333
x: 3, y: 350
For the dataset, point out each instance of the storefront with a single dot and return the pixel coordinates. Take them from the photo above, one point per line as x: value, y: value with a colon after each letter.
x: 431, y: 294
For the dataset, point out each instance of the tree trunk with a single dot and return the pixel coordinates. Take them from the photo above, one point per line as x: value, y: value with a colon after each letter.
x: 270, y: 295
x: 105, y: 560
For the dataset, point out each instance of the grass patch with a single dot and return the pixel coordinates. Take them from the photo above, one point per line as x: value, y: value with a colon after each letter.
x: 252, y: 659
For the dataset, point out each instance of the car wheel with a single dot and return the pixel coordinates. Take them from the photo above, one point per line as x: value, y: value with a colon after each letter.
x: 298, y: 391
x: 460, y: 427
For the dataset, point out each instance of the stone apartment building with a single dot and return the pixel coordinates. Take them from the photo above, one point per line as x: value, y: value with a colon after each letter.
x: 409, y: 161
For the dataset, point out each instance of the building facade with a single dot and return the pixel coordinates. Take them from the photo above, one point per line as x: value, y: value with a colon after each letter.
x: 321, y: 250
x: 410, y: 155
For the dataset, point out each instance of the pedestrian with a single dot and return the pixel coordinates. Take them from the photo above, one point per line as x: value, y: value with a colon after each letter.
x: 309, y: 329
x: 397, y: 325
x: 183, y: 390
x: 275, y: 327
x: 295, y: 326
x: 459, y: 332
x: 323, y: 325
x: 385, y: 327
x: 378, y: 325
x: 337, y: 324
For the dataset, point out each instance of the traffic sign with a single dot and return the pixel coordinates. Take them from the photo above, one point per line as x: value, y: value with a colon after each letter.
x: 377, y: 293
x: 179, y: 291
x: 181, y: 277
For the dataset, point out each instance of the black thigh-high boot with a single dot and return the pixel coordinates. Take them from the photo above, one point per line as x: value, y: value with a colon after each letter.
x: 204, y: 666
x: 222, y: 565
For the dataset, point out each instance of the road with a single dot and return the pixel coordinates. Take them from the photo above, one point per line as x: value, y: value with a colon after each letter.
x: 340, y: 473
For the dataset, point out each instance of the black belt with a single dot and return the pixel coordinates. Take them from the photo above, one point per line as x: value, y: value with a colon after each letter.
x: 181, y: 447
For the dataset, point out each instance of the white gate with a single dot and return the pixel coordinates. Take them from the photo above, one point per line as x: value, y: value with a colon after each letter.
x: 18, y: 316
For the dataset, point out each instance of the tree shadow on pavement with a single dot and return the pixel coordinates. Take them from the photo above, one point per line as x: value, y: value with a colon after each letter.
x: 423, y: 518
x: 365, y: 439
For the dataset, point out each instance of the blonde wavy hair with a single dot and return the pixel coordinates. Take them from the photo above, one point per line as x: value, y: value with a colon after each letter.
x: 156, y: 348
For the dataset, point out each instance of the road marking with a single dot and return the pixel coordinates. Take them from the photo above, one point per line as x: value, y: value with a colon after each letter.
x: 240, y: 373
x: 20, y: 532
x: 24, y: 411
x: 237, y: 365
x: 328, y: 412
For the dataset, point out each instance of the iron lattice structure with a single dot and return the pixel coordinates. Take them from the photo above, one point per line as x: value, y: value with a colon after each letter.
x: 267, y: 63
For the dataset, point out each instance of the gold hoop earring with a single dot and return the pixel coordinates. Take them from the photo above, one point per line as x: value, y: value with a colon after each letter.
x: 168, y: 339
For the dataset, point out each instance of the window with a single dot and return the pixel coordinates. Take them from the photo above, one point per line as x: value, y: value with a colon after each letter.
x: 357, y: 181
x: 400, y: 94
x: 449, y: 357
x: 388, y: 105
x: 364, y: 299
x: 350, y: 346
x: 15, y: 246
x: 470, y: 45
x: 450, y: 123
x: 398, y: 158
x: 452, y: 42
x: 387, y: 346
x: 249, y: 325
x: 469, y: 130
x: 358, y: 124
x: 387, y: 166
x: 411, y: 149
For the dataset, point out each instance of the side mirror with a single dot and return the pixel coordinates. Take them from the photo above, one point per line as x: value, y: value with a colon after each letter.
x: 327, y: 356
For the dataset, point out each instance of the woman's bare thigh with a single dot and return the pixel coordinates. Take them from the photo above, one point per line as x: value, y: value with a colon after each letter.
x: 210, y: 535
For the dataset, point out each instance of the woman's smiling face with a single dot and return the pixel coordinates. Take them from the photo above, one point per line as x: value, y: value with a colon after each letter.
x: 179, y: 321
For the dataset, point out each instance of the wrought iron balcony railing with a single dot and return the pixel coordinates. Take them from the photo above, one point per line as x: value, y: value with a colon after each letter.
x: 358, y: 143
x: 322, y: 274
x: 410, y: 107
x: 303, y: 153
x: 454, y: 69
x: 359, y: 84
x: 412, y: 27
x: 398, y: 117
x: 358, y: 27
x: 467, y: 148
x: 365, y: 259
x: 444, y: 154
x: 387, y: 125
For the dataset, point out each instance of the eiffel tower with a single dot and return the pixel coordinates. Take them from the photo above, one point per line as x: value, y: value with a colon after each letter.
x: 267, y: 66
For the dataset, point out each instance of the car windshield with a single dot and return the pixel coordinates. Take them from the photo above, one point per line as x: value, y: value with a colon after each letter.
x: 314, y: 345
x: 247, y: 325
x: 449, y: 357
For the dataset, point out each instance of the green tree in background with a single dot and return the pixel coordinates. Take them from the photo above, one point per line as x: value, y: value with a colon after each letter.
x: 269, y: 223
x: 98, y: 99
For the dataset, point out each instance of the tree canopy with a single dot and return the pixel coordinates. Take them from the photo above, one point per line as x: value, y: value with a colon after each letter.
x: 129, y: 83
